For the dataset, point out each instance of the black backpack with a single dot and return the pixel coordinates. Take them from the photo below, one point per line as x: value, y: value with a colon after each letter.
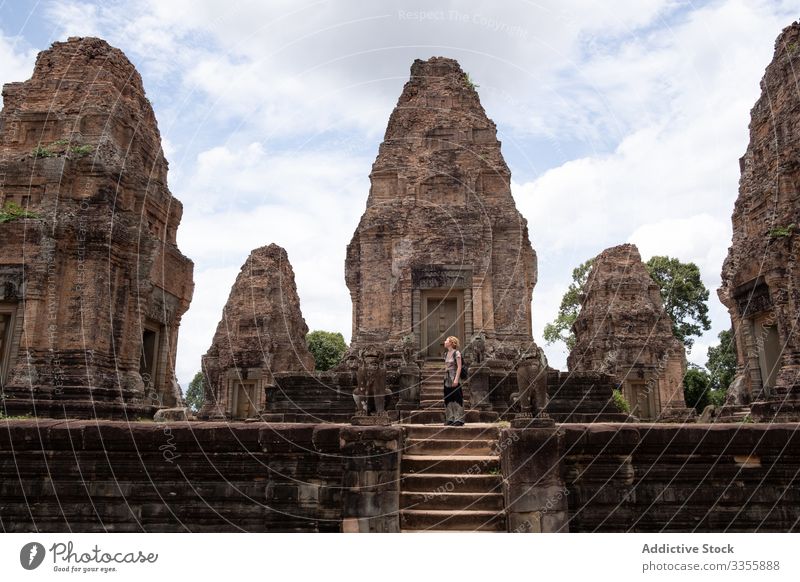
x: 464, y: 367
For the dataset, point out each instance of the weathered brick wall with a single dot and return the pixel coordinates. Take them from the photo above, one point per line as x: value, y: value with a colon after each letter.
x: 88, y: 476
x: 201, y: 477
x: 695, y: 477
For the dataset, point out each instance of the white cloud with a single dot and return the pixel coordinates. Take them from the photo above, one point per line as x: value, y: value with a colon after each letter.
x: 702, y: 239
x: 289, y: 67
x: 243, y: 197
x: 75, y: 18
x: 16, y: 61
x: 198, y: 325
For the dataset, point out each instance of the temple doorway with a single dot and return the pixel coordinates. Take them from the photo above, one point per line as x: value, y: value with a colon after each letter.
x: 6, y: 326
x: 642, y: 400
x: 769, y: 351
x: 441, y: 317
x: 148, y: 360
x: 244, y: 399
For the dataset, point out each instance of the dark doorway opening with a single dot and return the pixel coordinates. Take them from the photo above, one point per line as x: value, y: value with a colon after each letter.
x: 148, y: 362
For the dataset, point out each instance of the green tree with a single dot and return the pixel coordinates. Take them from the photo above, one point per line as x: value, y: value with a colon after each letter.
x: 684, y: 296
x: 698, y: 390
x: 696, y: 387
x: 721, y: 364
x: 327, y: 347
x: 561, y: 328
x: 195, y: 394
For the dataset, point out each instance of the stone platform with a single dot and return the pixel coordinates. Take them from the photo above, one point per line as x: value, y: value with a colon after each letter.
x: 87, y: 476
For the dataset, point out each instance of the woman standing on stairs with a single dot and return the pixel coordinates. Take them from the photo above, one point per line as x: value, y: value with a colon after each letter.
x: 453, y: 395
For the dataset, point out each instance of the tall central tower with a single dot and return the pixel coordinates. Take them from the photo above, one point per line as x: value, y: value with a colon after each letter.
x: 441, y: 248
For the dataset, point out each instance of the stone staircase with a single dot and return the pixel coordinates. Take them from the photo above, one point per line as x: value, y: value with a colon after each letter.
x: 450, y: 479
x: 731, y: 413
x: 431, y: 403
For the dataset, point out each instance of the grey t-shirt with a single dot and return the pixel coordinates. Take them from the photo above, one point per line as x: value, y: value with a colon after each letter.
x: 451, y: 364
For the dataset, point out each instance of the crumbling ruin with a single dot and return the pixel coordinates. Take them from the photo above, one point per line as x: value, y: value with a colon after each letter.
x: 760, y: 276
x: 441, y: 248
x: 93, y: 287
x: 623, y: 330
x: 261, y: 333
x: 92, y: 284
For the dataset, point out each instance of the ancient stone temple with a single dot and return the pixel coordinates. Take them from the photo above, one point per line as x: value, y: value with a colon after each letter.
x: 92, y: 284
x: 761, y: 274
x: 262, y: 333
x: 441, y: 248
x: 623, y: 330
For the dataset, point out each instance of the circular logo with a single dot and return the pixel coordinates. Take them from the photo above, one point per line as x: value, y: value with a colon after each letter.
x: 31, y: 555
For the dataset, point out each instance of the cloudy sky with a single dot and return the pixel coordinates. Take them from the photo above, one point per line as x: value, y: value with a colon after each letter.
x: 621, y: 121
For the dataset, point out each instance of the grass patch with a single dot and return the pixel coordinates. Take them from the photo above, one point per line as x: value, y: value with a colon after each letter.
x: 81, y: 150
x: 12, y: 211
x: 782, y: 231
x: 42, y: 152
x: 61, y: 147
x: 620, y: 401
x: 4, y: 416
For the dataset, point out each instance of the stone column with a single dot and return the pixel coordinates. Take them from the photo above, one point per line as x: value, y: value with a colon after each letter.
x: 371, y: 478
x: 535, y: 494
x: 468, y: 323
x: 477, y: 302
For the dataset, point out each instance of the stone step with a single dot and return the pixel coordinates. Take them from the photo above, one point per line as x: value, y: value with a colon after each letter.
x: 440, y: 531
x: 435, y: 392
x: 588, y: 418
x: 446, y: 520
x: 450, y: 464
x: 438, y: 403
x: 432, y: 483
x: 437, y: 446
x: 460, y: 501
x: 434, y: 416
x: 322, y: 417
x: 478, y: 430
x: 438, y: 394
x: 437, y: 386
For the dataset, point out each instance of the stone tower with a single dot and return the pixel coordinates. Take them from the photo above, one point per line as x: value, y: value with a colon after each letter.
x: 441, y: 248
x: 761, y: 274
x: 623, y: 330
x: 92, y: 284
x: 262, y: 332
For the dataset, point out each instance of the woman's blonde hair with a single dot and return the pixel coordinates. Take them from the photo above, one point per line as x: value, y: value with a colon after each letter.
x: 453, y: 340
